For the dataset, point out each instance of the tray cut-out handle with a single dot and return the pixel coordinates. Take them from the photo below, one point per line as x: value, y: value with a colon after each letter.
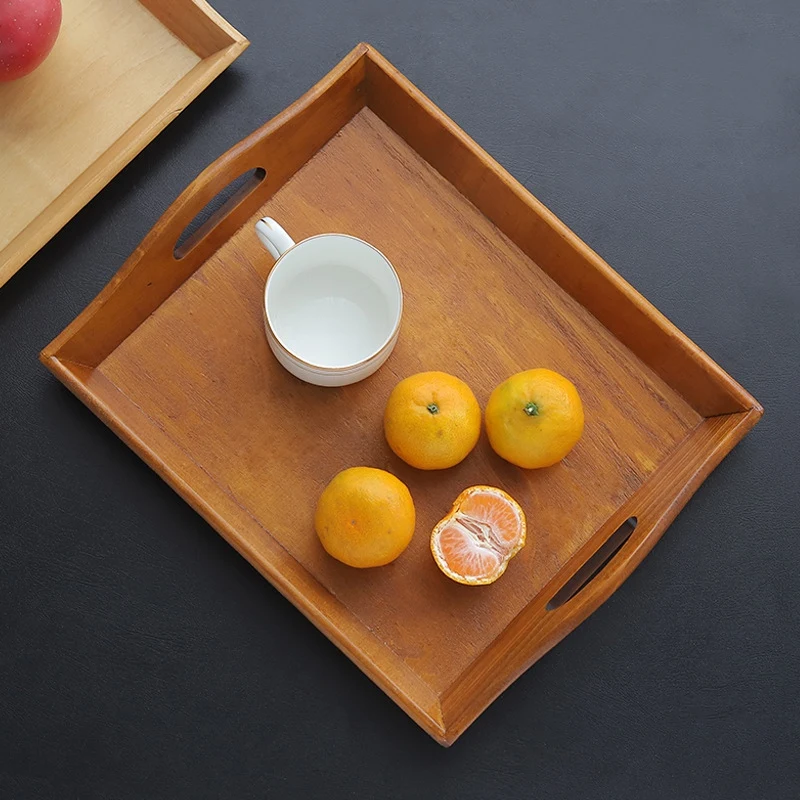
x: 594, y: 565
x: 211, y: 208
x: 216, y: 209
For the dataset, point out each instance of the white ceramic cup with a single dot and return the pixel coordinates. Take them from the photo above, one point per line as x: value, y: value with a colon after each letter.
x: 332, y: 305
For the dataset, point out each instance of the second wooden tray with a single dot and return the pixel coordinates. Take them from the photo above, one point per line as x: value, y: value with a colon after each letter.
x: 172, y: 355
x: 119, y: 73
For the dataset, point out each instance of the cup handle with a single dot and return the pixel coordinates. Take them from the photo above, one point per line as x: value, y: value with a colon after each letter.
x: 273, y: 237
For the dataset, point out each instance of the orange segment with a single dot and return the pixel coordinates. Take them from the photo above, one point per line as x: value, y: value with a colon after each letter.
x: 464, y: 557
x: 484, y: 530
x: 497, y: 511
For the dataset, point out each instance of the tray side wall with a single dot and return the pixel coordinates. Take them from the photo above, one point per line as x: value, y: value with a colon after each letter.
x: 196, y: 24
x: 537, y: 629
x: 550, y: 244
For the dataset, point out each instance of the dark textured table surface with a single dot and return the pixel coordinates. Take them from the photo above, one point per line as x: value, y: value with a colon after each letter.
x: 141, y: 657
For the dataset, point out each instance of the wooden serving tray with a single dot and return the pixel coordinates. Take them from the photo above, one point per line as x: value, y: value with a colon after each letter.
x: 119, y: 73
x: 172, y: 356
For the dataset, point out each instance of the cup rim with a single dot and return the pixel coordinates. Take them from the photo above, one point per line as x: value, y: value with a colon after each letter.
x: 355, y: 364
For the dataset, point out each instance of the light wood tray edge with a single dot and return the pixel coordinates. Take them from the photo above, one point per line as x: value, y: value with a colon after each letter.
x: 207, y: 28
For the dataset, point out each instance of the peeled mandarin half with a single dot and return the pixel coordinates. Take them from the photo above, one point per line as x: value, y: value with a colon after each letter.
x: 484, y: 530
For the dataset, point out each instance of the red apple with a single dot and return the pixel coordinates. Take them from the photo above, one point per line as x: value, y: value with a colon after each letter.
x: 28, y: 31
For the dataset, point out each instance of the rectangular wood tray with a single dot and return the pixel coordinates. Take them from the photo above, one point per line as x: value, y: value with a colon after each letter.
x: 119, y: 73
x: 172, y: 356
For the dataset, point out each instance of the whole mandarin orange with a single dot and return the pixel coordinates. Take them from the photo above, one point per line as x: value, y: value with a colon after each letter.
x: 432, y: 420
x: 534, y: 418
x: 365, y: 517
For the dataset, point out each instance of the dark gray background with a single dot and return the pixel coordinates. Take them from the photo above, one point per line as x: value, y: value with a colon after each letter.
x: 140, y: 657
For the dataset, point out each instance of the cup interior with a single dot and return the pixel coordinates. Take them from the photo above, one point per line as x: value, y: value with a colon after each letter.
x: 333, y: 301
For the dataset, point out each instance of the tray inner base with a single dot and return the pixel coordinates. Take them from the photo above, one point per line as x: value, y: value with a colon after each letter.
x: 476, y: 306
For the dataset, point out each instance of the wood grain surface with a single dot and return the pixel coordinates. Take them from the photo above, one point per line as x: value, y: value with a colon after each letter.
x: 172, y: 355
x: 116, y: 76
